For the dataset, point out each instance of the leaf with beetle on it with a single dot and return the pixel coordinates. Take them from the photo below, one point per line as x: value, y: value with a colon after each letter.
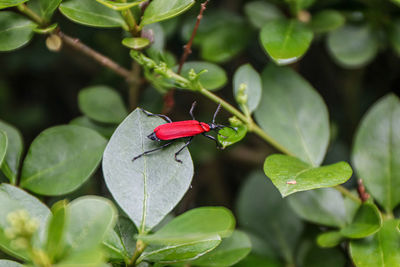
x: 155, y: 182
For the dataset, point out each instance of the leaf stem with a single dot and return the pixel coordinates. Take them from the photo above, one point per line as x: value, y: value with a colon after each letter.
x: 140, y: 246
x: 347, y: 193
x: 24, y: 9
x: 130, y: 20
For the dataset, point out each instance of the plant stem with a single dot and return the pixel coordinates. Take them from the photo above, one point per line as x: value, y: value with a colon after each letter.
x: 140, y: 246
x: 130, y: 20
x: 24, y: 9
x: 347, y: 193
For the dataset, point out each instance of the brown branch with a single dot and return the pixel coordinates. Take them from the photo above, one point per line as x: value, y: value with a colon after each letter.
x: 107, y: 62
x: 361, y: 191
x: 169, y: 101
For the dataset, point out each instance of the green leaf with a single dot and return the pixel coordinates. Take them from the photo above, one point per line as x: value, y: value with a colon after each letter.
x: 190, y: 226
x: 15, y: 30
x: 61, y: 159
x: 213, y: 79
x: 55, y: 230
x: 397, y: 2
x: 382, y: 249
x: 230, y: 251
x: 114, y: 247
x: 155, y: 182
x: 247, y: 75
x: 180, y: 252
x: 120, y: 6
x: 159, y: 10
x: 228, y: 136
x: 287, y: 103
x: 367, y: 221
x: 14, y: 150
x: 104, y: 129
x: 329, y: 239
x: 259, y: 12
x: 326, y: 21
x: 3, y: 146
x: 255, y: 260
x: 91, y: 13
x: 317, y: 257
x: 136, y: 43
x: 103, y: 104
x: 10, y: 3
x: 47, y: 8
x: 90, y: 218
x: 127, y: 230
x: 352, y: 46
x: 285, y: 41
x: 394, y: 35
x: 14, y: 199
x: 263, y: 212
x: 7, y: 263
x: 87, y: 258
x: 376, y: 151
x: 322, y: 206
x: 290, y: 175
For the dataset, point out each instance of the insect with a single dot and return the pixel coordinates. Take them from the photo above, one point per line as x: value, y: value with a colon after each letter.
x: 172, y: 131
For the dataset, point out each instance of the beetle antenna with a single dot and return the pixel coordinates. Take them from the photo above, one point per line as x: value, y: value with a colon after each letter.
x: 216, y: 112
x: 191, y: 110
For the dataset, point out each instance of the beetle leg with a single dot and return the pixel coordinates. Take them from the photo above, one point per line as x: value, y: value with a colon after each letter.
x: 149, y: 151
x: 180, y: 150
x: 191, y: 110
x: 166, y: 118
x: 213, y: 138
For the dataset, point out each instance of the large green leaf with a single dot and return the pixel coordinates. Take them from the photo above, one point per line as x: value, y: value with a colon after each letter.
x: 3, y: 146
x: 262, y: 211
x: 87, y: 258
x: 367, y: 221
x: 91, y: 13
x: 290, y: 175
x: 61, y: 159
x: 376, y: 151
x: 381, y: 249
x: 159, y: 10
x: 155, y: 182
x: 15, y: 30
x: 104, y: 129
x: 90, y: 218
x: 322, y: 206
x: 352, y: 46
x: 14, y: 199
x: 230, y: 251
x: 14, y: 150
x: 7, y: 263
x: 285, y: 41
x: 327, y: 20
x: 103, y: 104
x: 190, y: 226
x: 247, y: 75
x: 261, y: 12
x: 287, y: 104
x: 10, y: 3
x: 213, y: 79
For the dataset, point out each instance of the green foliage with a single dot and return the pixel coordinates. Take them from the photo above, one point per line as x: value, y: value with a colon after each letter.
x: 260, y: 12
x: 10, y: 3
x: 3, y: 146
x: 15, y: 31
x: 326, y: 21
x: 247, y: 88
x: 213, y: 78
x: 14, y: 150
x: 160, y: 10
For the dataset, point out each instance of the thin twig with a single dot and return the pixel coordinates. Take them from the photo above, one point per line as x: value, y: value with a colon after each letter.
x: 103, y: 60
x: 361, y: 191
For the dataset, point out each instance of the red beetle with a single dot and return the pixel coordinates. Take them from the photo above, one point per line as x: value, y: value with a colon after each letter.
x: 173, y: 131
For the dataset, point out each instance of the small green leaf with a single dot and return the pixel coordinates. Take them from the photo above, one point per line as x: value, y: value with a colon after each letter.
x: 159, y: 10
x: 376, y: 151
x: 103, y: 104
x: 127, y: 231
x: 285, y: 41
x: 352, y: 46
x: 114, y: 247
x: 155, y: 182
x: 47, y: 8
x: 382, y: 249
x: 190, y: 226
x: 90, y: 218
x: 7, y: 263
x: 287, y: 103
x: 10, y: 3
x: 180, y: 252
x: 120, y: 6
x: 14, y: 199
x: 255, y: 260
x: 3, y: 146
x: 260, y: 12
x: 394, y: 35
x: 15, y: 30
x: 213, y: 79
x: 326, y: 21
x: 14, y: 150
x: 61, y: 159
x: 367, y: 221
x: 322, y: 206
x: 290, y: 175
x: 91, y: 13
x: 104, y: 129
x: 230, y: 251
x: 55, y: 230
x: 329, y: 239
x: 136, y: 43
x: 247, y: 75
x: 228, y: 136
x: 47, y: 30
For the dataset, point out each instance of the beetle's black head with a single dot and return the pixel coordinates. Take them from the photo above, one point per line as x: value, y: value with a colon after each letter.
x: 153, y: 137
